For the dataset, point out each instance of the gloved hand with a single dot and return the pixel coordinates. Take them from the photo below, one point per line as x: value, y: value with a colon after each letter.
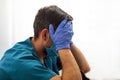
x: 63, y: 35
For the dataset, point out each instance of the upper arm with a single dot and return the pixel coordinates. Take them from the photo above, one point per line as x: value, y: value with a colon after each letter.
x: 34, y: 71
x: 3, y: 75
x: 80, y: 58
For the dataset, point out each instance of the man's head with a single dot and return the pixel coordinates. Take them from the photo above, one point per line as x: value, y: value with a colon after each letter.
x: 48, y: 15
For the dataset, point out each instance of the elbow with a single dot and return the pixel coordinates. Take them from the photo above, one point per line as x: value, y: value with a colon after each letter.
x: 85, y: 70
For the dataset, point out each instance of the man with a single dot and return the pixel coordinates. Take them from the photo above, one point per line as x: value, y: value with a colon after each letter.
x: 50, y: 50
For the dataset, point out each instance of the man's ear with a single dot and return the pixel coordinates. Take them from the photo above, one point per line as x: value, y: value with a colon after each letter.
x: 44, y: 33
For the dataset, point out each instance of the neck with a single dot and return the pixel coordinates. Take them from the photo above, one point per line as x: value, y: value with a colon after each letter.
x: 39, y: 48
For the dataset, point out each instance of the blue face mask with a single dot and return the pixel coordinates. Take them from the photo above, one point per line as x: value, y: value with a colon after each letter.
x: 52, y: 50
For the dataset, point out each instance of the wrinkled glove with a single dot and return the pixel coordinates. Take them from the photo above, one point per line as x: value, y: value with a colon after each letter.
x: 63, y: 35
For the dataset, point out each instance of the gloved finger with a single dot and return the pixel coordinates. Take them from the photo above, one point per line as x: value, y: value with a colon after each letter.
x: 68, y: 24
x: 51, y: 30
x: 71, y: 27
x: 62, y: 24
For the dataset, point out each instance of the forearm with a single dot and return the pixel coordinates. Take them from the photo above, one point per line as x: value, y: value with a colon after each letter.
x: 70, y: 69
x: 79, y: 57
x: 62, y: 39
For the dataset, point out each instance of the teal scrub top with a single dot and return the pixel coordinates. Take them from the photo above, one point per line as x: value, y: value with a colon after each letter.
x: 21, y: 62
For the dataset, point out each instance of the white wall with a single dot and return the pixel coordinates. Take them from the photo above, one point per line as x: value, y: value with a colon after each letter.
x: 96, y: 26
x: 5, y: 28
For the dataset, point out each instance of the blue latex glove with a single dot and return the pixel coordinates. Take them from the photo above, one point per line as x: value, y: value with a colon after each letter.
x: 63, y: 35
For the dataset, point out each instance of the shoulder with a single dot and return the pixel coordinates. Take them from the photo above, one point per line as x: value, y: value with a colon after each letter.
x: 23, y: 49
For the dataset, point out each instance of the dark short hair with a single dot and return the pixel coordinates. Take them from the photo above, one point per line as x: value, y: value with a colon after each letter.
x: 49, y: 15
